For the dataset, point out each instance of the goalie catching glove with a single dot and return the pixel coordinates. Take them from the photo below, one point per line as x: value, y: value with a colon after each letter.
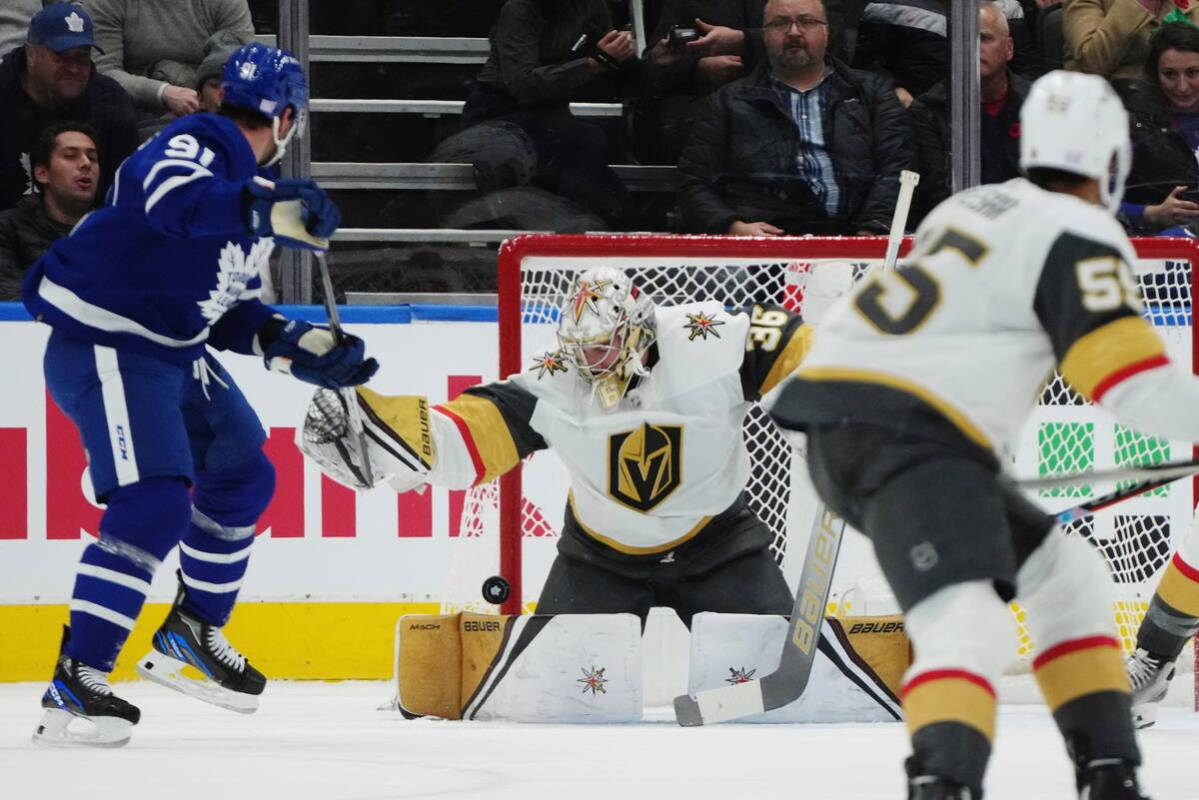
x: 313, y: 354
x: 398, y: 435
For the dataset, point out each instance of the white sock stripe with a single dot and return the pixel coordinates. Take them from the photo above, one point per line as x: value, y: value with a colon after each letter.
x: 112, y: 576
x: 228, y: 533
x: 116, y: 412
x: 106, y: 614
x: 215, y: 558
x: 214, y: 588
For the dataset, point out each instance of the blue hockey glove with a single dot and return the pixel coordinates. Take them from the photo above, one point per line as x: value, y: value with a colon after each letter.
x: 296, y: 212
x: 314, y: 356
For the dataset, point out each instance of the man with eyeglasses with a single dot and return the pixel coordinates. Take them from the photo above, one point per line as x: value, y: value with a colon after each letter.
x: 803, y: 144
x: 50, y: 80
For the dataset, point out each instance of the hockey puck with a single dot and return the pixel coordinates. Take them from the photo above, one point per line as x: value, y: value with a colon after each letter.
x: 496, y: 589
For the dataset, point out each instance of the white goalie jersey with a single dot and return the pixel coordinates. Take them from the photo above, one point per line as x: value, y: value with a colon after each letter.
x: 646, y: 475
x: 1028, y: 277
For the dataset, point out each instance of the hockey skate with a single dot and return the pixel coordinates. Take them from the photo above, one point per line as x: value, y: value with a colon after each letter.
x: 1150, y: 677
x: 191, y: 656
x: 81, y: 708
x: 933, y: 787
x: 1108, y: 779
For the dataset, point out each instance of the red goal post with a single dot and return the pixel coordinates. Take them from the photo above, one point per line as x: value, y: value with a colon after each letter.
x: 1076, y: 442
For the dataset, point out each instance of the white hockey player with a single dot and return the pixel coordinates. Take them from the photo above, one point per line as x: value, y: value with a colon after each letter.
x: 912, y: 396
x: 644, y: 406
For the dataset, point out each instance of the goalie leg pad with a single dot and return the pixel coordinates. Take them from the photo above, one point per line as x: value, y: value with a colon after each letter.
x: 963, y: 635
x: 845, y: 684
x: 1066, y: 588
x: 540, y: 668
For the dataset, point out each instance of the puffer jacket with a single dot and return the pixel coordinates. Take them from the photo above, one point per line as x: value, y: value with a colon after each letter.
x: 25, y: 233
x: 740, y: 160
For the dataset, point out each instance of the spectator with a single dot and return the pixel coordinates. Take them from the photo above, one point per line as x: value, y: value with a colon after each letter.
x: 1164, y: 118
x: 544, y: 53
x: 153, y: 48
x: 803, y: 144
x: 1111, y: 37
x: 208, y: 77
x: 907, y: 40
x: 1002, y: 93
x: 51, y: 79
x: 679, y: 74
x: 66, y: 171
x: 14, y: 21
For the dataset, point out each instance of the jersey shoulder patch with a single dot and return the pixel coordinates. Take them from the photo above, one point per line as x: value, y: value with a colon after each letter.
x: 698, y: 343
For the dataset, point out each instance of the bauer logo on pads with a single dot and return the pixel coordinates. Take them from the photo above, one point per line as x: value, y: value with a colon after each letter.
x: 645, y: 465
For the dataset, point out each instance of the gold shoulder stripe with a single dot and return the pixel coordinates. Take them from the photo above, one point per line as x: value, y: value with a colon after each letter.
x: 1111, y: 352
x: 486, y: 435
x: 405, y: 418
x: 947, y: 410
x: 793, y: 353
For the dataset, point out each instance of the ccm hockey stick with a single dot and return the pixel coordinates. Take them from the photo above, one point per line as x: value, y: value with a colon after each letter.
x: 788, y: 682
x: 348, y: 394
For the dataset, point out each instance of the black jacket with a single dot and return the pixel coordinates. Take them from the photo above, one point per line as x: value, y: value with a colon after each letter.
x: 104, y: 105
x: 25, y: 233
x: 1161, y: 158
x: 740, y: 160
x: 999, y: 142
x: 528, y: 63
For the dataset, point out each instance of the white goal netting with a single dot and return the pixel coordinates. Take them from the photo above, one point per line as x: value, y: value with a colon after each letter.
x: 1065, y: 435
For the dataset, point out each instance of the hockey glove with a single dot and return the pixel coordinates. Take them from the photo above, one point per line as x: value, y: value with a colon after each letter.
x: 296, y: 212
x: 314, y: 355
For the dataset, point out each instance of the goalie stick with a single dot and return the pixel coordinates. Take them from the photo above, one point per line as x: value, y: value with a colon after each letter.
x: 788, y: 682
x: 348, y: 394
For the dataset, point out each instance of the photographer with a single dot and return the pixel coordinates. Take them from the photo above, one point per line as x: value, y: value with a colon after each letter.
x: 544, y: 54
x: 1164, y: 113
x: 699, y: 46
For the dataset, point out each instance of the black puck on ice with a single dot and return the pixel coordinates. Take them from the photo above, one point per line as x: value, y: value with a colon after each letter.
x: 496, y: 589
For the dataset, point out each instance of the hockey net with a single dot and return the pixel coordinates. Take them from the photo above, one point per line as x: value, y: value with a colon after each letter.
x: 510, y: 526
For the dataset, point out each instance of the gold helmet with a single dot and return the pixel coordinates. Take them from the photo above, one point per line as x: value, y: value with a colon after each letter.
x: 605, y: 329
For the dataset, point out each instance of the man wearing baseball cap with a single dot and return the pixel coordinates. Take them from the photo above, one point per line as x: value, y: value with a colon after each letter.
x: 51, y: 79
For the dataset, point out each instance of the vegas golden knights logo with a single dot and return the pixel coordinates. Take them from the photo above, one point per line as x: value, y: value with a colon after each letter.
x: 645, y: 465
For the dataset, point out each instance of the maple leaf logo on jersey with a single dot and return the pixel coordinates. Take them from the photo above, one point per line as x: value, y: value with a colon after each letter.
x: 593, y: 680
x: 702, y: 325
x: 550, y: 362
x: 586, y: 297
x: 742, y: 675
x: 236, y: 270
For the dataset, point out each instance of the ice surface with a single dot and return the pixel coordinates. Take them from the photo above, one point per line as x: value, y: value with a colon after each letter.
x: 327, y: 741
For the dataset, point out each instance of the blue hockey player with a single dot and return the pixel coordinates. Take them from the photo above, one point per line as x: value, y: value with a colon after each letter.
x: 135, y: 295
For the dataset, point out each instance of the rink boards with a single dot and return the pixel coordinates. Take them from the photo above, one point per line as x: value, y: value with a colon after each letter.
x: 326, y: 564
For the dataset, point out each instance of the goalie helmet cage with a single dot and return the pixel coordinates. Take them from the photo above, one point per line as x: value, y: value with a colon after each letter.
x: 1065, y: 435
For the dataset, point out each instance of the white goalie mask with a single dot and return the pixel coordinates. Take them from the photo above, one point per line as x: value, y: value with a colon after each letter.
x: 1076, y: 123
x: 605, y: 328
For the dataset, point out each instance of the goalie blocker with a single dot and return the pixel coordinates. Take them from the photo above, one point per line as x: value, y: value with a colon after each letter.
x: 572, y: 668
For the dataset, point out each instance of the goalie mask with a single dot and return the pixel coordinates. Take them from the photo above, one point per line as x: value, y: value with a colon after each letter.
x: 604, y: 330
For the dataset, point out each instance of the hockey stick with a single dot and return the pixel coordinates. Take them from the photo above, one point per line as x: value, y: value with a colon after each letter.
x: 786, y: 683
x: 1158, y: 474
x: 789, y: 680
x: 348, y: 394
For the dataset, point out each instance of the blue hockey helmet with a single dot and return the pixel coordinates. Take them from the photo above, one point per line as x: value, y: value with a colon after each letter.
x: 267, y: 80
